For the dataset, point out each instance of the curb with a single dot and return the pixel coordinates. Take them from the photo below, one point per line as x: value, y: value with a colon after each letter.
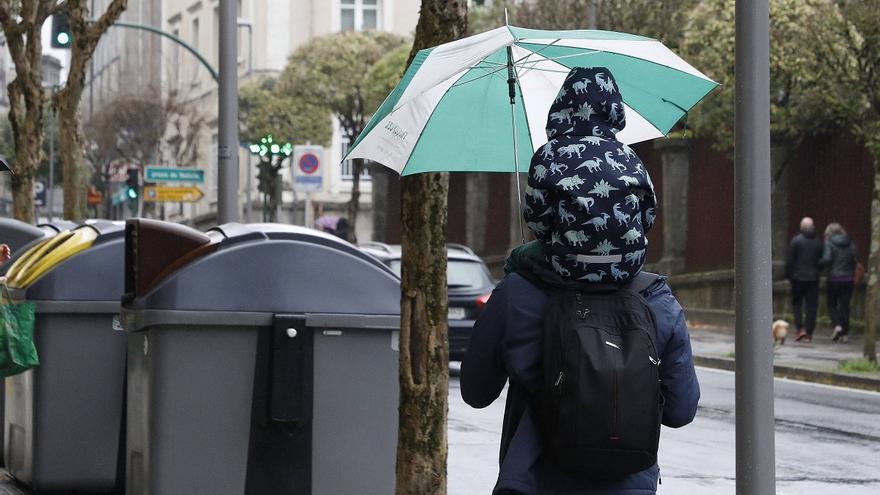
x: 800, y: 374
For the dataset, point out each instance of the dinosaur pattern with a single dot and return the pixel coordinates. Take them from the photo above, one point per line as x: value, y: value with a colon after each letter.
x: 590, y: 199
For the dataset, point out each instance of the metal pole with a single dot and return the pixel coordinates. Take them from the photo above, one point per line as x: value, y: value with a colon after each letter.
x: 755, y: 456
x: 227, y: 144
x: 250, y: 172
x: 52, y: 130
x: 592, y: 7
x: 511, y: 87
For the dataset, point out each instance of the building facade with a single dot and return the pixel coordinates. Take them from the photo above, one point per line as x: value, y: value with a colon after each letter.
x: 269, y: 31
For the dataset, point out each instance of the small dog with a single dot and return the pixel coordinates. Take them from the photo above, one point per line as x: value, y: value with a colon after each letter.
x: 780, y: 330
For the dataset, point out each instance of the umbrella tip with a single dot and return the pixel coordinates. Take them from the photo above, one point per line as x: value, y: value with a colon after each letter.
x: 506, y: 20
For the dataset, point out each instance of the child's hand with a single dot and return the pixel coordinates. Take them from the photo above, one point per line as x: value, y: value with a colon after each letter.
x: 5, y: 253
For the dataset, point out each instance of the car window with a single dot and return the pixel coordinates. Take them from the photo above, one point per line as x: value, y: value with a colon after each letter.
x: 465, y: 274
x: 459, y: 273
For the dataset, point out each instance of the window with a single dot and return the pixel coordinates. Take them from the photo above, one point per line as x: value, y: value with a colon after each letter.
x: 347, y: 166
x: 359, y: 15
x: 195, y: 33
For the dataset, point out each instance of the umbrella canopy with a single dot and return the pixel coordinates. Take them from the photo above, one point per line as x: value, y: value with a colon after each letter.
x: 4, y: 167
x: 452, y: 111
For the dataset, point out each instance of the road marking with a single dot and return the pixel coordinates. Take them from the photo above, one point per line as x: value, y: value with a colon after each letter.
x: 801, y: 382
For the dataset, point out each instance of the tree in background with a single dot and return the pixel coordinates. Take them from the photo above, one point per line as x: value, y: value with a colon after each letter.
x: 263, y: 111
x: 660, y: 19
x: 850, y: 48
x: 85, y: 35
x: 805, y: 98
x: 331, y: 71
x: 22, y: 23
x: 424, y: 352
x: 141, y: 129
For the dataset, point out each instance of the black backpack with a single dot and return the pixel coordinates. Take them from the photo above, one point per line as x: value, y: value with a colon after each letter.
x: 600, y: 407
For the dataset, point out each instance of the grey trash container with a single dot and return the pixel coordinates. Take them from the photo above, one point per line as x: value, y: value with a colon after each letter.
x: 63, y: 421
x: 20, y: 236
x: 17, y: 234
x: 262, y: 359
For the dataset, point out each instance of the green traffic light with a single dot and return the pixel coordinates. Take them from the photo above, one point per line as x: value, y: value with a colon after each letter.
x: 132, y: 193
x: 63, y: 38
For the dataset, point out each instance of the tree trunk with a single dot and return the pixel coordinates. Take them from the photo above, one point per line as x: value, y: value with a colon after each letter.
x: 357, y: 168
x: 86, y: 35
x: 424, y: 351
x: 23, y: 197
x: 781, y: 151
x: 872, y: 301
x: 71, y: 147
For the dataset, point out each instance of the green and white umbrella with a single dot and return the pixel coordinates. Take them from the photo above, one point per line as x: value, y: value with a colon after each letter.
x: 452, y: 110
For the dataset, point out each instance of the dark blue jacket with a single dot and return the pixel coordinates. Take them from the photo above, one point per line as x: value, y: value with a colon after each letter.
x: 506, y: 345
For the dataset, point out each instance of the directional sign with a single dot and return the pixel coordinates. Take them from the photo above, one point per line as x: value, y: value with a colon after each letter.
x: 307, y: 173
x: 158, y: 194
x: 168, y: 174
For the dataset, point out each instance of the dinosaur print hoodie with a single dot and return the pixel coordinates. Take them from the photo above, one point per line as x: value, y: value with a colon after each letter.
x: 590, y: 199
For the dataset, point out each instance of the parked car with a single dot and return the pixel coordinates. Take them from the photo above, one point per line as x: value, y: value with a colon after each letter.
x: 469, y: 285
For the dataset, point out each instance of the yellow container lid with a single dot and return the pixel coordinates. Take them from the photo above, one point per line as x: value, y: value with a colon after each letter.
x: 46, y: 255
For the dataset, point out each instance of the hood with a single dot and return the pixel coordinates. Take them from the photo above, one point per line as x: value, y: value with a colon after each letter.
x: 840, y: 240
x: 590, y: 199
x: 588, y: 104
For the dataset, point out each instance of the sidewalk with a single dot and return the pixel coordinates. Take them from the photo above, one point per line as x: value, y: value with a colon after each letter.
x: 713, y: 347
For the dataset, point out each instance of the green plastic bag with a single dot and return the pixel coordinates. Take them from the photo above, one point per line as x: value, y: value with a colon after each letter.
x: 17, y: 351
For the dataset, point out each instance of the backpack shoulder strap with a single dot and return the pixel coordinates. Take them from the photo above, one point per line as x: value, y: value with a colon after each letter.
x: 642, y: 281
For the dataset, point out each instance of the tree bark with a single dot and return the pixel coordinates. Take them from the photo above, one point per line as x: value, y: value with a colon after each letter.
x: 872, y: 302
x: 354, y: 207
x: 22, y: 24
x: 85, y: 37
x: 781, y: 152
x: 70, y: 144
x: 424, y: 351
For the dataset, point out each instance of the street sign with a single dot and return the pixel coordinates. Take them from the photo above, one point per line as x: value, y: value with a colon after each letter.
x: 169, y: 174
x: 159, y: 194
x: 307, y: 173
x: 39, y: 193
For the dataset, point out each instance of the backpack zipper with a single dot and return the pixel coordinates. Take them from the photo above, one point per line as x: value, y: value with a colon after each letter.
x: 560, y: 380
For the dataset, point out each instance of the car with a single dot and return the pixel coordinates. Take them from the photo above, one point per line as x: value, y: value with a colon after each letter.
x: 469, y: 285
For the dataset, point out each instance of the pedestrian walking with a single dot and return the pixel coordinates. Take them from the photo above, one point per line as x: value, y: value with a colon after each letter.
x: 839, y: 256
x: 802, y: 272
x: 595, y: 352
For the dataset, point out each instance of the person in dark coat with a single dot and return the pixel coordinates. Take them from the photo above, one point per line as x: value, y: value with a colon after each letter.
x: 839, y: 256
x: 506, y: 348
x: 802, y: 271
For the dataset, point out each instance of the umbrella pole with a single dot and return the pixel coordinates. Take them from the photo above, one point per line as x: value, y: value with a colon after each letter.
x: 511, y: 85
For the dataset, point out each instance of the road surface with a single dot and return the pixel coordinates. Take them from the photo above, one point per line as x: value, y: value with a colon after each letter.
x: 827, y: 441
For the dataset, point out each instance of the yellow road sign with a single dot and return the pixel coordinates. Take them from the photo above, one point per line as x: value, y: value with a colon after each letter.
x: 158, y: 194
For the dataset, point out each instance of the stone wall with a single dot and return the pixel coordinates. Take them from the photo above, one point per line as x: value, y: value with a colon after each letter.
x: 708, y: 297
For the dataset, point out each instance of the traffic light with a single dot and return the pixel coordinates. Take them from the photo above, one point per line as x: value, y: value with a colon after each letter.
x: 134, y: 184
x: 61, y: 37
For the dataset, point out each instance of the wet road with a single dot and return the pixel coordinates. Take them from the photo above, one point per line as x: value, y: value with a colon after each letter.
x: 827, y: 441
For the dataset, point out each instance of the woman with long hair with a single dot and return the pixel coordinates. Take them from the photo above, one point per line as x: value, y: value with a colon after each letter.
x: 839, y: 255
